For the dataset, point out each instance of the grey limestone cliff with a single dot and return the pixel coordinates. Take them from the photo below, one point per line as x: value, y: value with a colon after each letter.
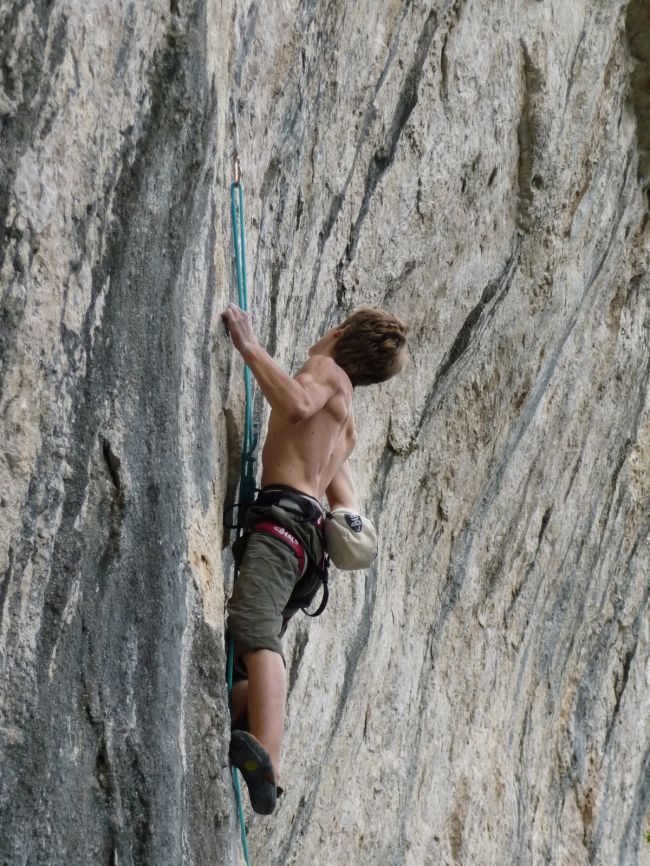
x: 482, y: 694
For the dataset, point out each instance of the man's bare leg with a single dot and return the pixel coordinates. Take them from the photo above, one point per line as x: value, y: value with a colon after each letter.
x: 267, y: 695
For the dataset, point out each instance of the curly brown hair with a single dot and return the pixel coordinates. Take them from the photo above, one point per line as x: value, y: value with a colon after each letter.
x: 372, y: 346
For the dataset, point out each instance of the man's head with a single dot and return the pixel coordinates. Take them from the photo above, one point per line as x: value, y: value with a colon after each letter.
x: 370, y: 346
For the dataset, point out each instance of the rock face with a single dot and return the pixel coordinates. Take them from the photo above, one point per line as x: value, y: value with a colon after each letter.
x: 481, y: 695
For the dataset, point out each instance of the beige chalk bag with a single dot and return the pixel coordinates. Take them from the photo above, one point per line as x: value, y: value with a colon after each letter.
x: 350, y: 539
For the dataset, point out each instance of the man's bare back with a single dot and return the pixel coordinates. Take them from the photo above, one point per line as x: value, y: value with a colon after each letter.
x: 311, y: 428
x: 309, y: 454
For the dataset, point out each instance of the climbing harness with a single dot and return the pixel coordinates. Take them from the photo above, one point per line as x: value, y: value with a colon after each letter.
x: 304, y: 509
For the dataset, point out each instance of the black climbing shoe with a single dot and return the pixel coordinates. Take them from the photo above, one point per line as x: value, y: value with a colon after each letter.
x: 253, y: 762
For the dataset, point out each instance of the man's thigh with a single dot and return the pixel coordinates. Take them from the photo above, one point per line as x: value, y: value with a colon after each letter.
x: 267, y: 575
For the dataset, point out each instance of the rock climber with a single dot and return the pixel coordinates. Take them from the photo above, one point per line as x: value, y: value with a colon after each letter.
x: 281, y: 555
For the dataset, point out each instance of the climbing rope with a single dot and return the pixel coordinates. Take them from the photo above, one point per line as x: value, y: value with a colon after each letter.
x: 247, y: 468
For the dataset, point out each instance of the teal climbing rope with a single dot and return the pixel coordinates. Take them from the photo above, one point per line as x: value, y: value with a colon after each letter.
x: 247, y: 469
x: 247, y: 476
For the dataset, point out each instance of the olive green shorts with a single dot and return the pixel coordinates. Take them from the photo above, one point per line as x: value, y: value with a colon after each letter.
x: 269, y: 589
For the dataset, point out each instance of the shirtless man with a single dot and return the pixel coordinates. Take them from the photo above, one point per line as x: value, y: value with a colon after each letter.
x: 310, y: 436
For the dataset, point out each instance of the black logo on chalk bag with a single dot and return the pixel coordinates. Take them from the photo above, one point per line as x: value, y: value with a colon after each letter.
x: 354, y: 522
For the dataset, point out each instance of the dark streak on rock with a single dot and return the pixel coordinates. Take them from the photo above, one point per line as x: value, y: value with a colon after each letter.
x: 274, y: 291
x: 575, y: 470
x: 623, y: 454
x: 367, y: 121
x: 393, y: 286
x: 384, y: 156
x: 542, y: 529
x: 113, y: 465
x: 299, y: 206
x: 528, y: 138
x: 462, y: 341
x: 114, y: 571
x: 4, y: 582
x: 637, y: 30
x: 444, y: 70
x: 620, y: 683
x: 491, y: 298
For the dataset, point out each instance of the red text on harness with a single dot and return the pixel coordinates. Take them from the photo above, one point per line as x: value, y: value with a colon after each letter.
x: 284, y: 535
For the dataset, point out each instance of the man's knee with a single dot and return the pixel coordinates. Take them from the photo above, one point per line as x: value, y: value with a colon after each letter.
x: 248, y: 642
x: 262, y: 655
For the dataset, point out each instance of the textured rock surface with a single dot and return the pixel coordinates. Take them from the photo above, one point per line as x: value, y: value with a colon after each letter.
x: 482, y: 694
x: 114, y: 717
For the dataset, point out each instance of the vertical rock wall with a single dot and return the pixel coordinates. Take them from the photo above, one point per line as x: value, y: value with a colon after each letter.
x: 114, y: 715
x: 481, y: 694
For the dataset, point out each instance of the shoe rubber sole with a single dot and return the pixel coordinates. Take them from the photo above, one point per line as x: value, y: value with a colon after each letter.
x: 253, y: 762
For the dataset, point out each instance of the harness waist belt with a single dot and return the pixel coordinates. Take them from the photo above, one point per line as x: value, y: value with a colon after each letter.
x: 294, y: 501
x: 294, y: 492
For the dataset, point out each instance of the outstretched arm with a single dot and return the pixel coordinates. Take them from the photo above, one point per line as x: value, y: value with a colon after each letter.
x: 295, y: 399
x: 341, y: 492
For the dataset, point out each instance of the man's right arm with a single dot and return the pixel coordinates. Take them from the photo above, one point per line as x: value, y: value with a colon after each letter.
x: 295, y: 399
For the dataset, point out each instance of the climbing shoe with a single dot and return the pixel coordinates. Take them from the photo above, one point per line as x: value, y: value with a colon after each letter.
x: 253, y: 762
